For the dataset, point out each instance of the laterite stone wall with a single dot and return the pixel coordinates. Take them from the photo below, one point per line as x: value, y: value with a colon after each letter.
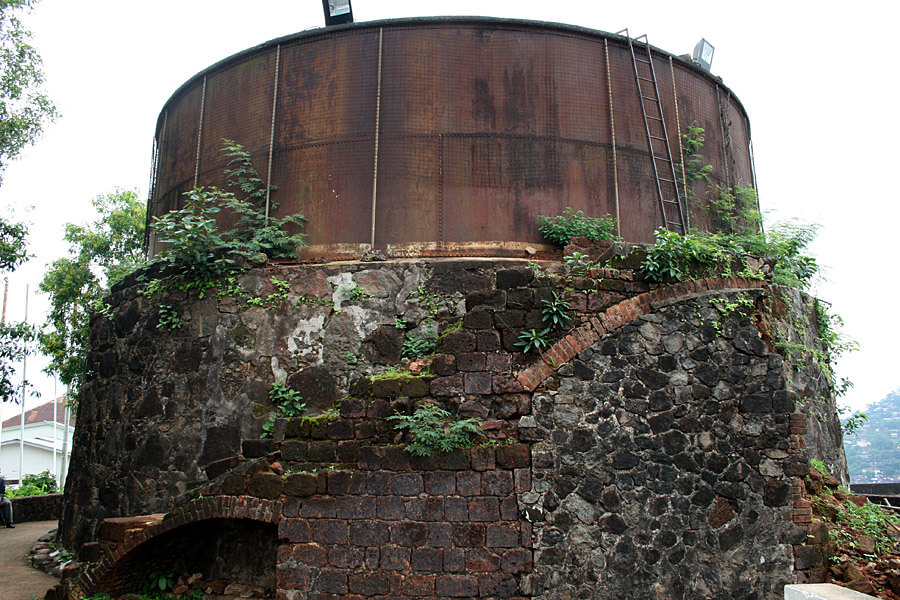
x: 655, y: 449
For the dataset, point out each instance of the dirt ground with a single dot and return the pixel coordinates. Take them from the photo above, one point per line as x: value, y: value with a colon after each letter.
x: 18, y: 580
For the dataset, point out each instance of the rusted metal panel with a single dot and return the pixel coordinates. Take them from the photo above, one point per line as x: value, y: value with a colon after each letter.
x: 480, y: 126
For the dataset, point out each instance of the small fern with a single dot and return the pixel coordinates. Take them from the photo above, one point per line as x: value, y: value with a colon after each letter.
x: 435, y: 430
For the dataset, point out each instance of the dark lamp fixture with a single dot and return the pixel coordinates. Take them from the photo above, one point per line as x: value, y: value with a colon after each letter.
x: 337, y: 12
x: 703, y: 54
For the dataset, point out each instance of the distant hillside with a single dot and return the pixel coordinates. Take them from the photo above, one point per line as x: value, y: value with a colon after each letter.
x: 873, y: 453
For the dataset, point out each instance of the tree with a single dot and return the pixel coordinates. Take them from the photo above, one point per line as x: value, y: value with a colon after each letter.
x: 24, y: 108
x: 100, y: 254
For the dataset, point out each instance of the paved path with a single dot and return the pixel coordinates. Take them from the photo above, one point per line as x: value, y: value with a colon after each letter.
x: 18, y: 579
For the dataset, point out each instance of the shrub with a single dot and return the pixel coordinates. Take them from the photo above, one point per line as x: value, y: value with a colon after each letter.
x: 287, y: 403
x: 435, y: 430
x: 35, y: 485
x: 562, y: 228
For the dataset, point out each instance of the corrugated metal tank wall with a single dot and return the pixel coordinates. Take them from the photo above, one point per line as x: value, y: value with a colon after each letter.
x: 453, y: 133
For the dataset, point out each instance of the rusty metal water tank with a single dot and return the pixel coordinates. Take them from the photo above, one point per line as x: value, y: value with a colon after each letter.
x: 444, y: 136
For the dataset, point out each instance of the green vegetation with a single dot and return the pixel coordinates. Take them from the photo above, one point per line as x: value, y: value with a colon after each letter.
x: 354, y: 292
x: 420, y: 341
x: 201, y: 254
x: 288, y: 405
x: 579, y: 264
x: 417, y: 347
x: 673, y: 255
x: 873, y: 452
x: 534, y: 340
x: 35, y: 485
x: 435, y: 303
x: 561, y: 229
x: 158, y: 582
x: 556, y: 312
x: 24, y: 108
x: 168, y: 318
x: 433, y: 429
x: 100, y: 253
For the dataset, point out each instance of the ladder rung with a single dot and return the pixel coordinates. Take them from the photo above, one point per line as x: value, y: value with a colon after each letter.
x: 656, y: 137
x: 654, y: 118
x: 645, y: 79
x: 667, y: 180
x: 650, y: 98
x: 646, y: 62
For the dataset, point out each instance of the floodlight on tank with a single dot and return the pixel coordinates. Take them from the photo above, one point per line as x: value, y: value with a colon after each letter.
x: 703, y: 54
x: 337, y: 12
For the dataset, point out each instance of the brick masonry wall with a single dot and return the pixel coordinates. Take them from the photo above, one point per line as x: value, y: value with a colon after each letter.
x: 661, y: 436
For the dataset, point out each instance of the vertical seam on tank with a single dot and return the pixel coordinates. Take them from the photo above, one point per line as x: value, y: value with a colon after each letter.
x: 612, y: 129
x: 272, y: 131
x: 377, y: 132
x: 686, y: 209
x: 200, y: 133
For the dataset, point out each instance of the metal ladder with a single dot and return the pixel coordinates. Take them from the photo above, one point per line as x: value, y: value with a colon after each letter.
x: 657, y: 137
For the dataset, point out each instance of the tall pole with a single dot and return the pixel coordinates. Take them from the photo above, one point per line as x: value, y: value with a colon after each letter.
x: 64, y: 461
x: 22, y: 417
x: 55, y: 402
x: 3, y: 320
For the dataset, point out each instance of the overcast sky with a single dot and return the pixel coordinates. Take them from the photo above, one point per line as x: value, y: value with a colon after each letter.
x: 818, y: 86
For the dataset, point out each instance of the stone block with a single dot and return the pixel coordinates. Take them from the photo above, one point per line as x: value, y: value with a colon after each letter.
x: 394, y: 458
x: 456, y: 342
x: 369, y: 533
x: 496, y: 585
x: 444, y: 365
x: 477, y: 383
x: 313, y: 554
x: 502, y: 535
x: 345, y: 482
x: 407, y: 484
x: 318, y: 507
x: 409, y: 534
x: 484, y: 509
x: 369, y: 458
x: 513, y: 456
x: 481, y: 560
x: 440, y: 483
x: 427, y: 559
x: 300, y: 484
x: 354, y: 507
x: 456, y: 586
x: 471, y: 361
x: 395, y: 559
x: 478, y: 319
x: 370, y: 583
x: 418, y: 585
x: 330, y: 531
x: 808, y: 557
x: 456, y: 509
x: 513, y: 278
x: 390, y: 508
x: 439, y: 533
x: 467, y: 535
x: 447, y: 386
x: 294, y: 530
x: 265, y: 485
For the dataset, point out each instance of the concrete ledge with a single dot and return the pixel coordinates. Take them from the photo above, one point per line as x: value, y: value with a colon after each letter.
x: 822, y: 591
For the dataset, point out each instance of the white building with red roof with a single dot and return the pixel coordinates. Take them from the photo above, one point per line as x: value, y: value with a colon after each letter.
x: 42, y: 443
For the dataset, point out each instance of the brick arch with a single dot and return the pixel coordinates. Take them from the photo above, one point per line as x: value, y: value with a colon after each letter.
x: 106, y: 575
x: 619, y: 315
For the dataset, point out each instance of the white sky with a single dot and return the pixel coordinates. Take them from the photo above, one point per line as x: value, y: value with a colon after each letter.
x: 818, y: 84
